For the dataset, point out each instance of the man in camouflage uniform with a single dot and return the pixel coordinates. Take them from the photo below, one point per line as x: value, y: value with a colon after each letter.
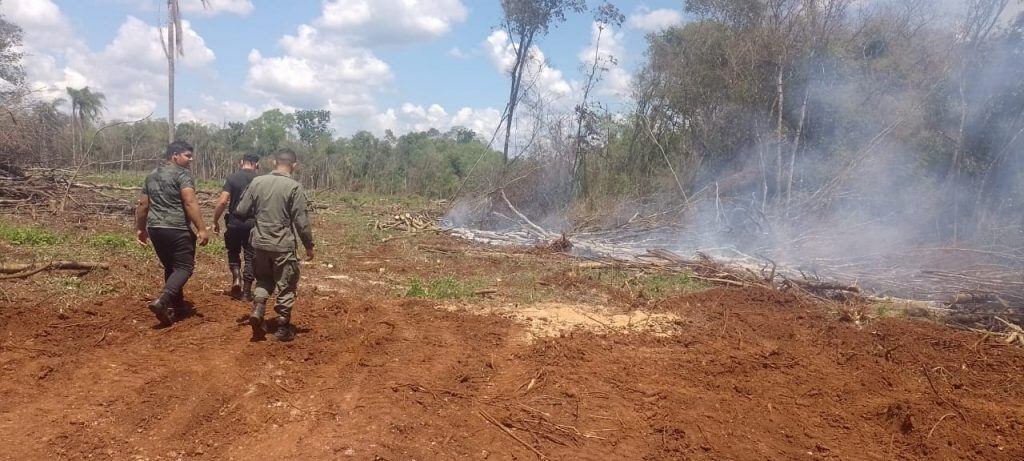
x: 278, y: 204
x: 167, y: 205
x: 236, y: 234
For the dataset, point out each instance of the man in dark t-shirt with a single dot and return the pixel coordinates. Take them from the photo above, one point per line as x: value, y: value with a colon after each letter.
x: 167, y: 206
x: 236, y: 235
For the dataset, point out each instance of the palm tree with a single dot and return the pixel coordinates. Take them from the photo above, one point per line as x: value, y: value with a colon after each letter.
x: 173, y: 48
x: 86, y: 106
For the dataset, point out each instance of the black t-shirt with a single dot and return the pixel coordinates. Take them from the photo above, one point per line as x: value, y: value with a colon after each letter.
x: 235, y: 185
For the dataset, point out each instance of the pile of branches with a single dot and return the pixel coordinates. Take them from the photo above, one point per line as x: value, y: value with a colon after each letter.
x: 407, y: 222
x: 53, y: 190
x: 35, y: 190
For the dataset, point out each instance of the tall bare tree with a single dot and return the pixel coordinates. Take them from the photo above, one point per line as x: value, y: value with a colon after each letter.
x: 173, y: 48
x: 606, y: 16
x: 524, y: 22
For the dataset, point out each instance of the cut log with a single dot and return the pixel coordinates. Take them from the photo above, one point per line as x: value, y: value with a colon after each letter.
x: 20, y: 271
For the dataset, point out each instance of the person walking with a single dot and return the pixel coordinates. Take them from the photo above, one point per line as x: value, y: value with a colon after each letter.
x: 278, y: 205
x: 166, y: 208
x: 236, y: 229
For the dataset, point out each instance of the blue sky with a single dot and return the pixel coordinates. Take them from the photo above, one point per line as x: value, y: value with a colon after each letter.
x: 376, y: 64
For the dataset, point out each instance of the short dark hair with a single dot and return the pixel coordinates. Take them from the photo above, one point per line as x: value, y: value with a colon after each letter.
x: 251, y: 158
x: 176, y: 148
x: 286, y: 156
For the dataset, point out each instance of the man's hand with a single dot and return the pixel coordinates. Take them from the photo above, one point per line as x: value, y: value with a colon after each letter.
x: 216, y: 227
x: 203, y: 237
x: 142, y: 236
x: 309, y: 254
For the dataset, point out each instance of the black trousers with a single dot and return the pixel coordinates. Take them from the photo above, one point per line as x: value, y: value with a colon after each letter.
x: 176, y: 249
x: 236, y: 239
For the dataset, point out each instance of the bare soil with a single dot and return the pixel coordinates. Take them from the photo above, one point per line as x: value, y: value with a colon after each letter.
x: 726, y: 374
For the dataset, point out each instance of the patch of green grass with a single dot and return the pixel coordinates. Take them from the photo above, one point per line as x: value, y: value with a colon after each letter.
x: 125, y: 179
x: 441, y: 288
x: 215, y: 247
x: 661, y: 285
x: 416, y: 289
x: 65, y: 282
x: 136, y: 179
x: 648, y: 285
x: 28, y: 236
x: 111, y: 241
x: 357, y: 229
x: 118, y: 243
x: 215, y: 185
x: 71, y: 285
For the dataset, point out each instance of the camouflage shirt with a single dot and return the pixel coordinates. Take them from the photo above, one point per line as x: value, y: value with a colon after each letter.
x: 279, y: 206
x: 163, y: 186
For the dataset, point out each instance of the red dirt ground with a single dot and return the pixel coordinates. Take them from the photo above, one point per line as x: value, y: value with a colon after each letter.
x: 745, y: 374
x: 749, y: 374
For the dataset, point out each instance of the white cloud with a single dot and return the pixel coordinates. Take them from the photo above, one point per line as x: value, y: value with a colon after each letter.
x: 134, y: 109
x: 606, y: 46
x: 655, y: 20
x: 544, y: 79
x: 130, y: 70
x: 216, y: 112
x: 410, y: 117
x: 457, y: 53
x: 48, y: 79
x: 319, y: 71
x: 328, y: 63
x: 138, y: 44
x: 43, y: 24
x: 239, y: 7
x: 483, y: 121
x: 391, y: 21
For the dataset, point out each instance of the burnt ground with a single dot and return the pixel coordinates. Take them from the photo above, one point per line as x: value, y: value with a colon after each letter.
x: 382, y: 371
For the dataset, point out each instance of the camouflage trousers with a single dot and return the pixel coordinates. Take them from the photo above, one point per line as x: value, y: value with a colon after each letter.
x: 276, y: 272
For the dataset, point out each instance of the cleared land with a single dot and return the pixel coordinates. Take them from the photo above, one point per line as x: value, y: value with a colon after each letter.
x: 422, y: 346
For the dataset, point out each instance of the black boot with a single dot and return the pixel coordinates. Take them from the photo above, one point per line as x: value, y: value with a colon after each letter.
x: 247, y: 290
x: 163, y: 308
x: 256, y: 319
x: 181, y: 309
x: 236, y: 282
x: 281, y: 328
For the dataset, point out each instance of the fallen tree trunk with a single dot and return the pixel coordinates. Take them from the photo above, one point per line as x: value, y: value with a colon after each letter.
x: 20, y: 271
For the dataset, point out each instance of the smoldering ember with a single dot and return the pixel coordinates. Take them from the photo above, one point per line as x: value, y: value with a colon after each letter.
x: 551, y: 229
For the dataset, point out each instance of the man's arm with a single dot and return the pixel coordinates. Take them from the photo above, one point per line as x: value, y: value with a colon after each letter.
x: 141, y: 213
x: 218, y: 209
x: 194, y: 215
x: 301, y: 220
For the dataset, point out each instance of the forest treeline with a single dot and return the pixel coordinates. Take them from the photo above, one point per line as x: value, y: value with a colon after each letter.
x: 429, y: 163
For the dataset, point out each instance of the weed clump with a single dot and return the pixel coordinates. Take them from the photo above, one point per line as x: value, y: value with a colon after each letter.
x: 440, y: 288
x: 111, y: 241
x: 28, y: 236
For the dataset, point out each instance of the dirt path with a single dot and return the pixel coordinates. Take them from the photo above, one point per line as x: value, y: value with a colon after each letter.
x: 745, y: 375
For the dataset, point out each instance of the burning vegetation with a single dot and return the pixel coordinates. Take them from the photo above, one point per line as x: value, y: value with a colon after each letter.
x: 876, y: 144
